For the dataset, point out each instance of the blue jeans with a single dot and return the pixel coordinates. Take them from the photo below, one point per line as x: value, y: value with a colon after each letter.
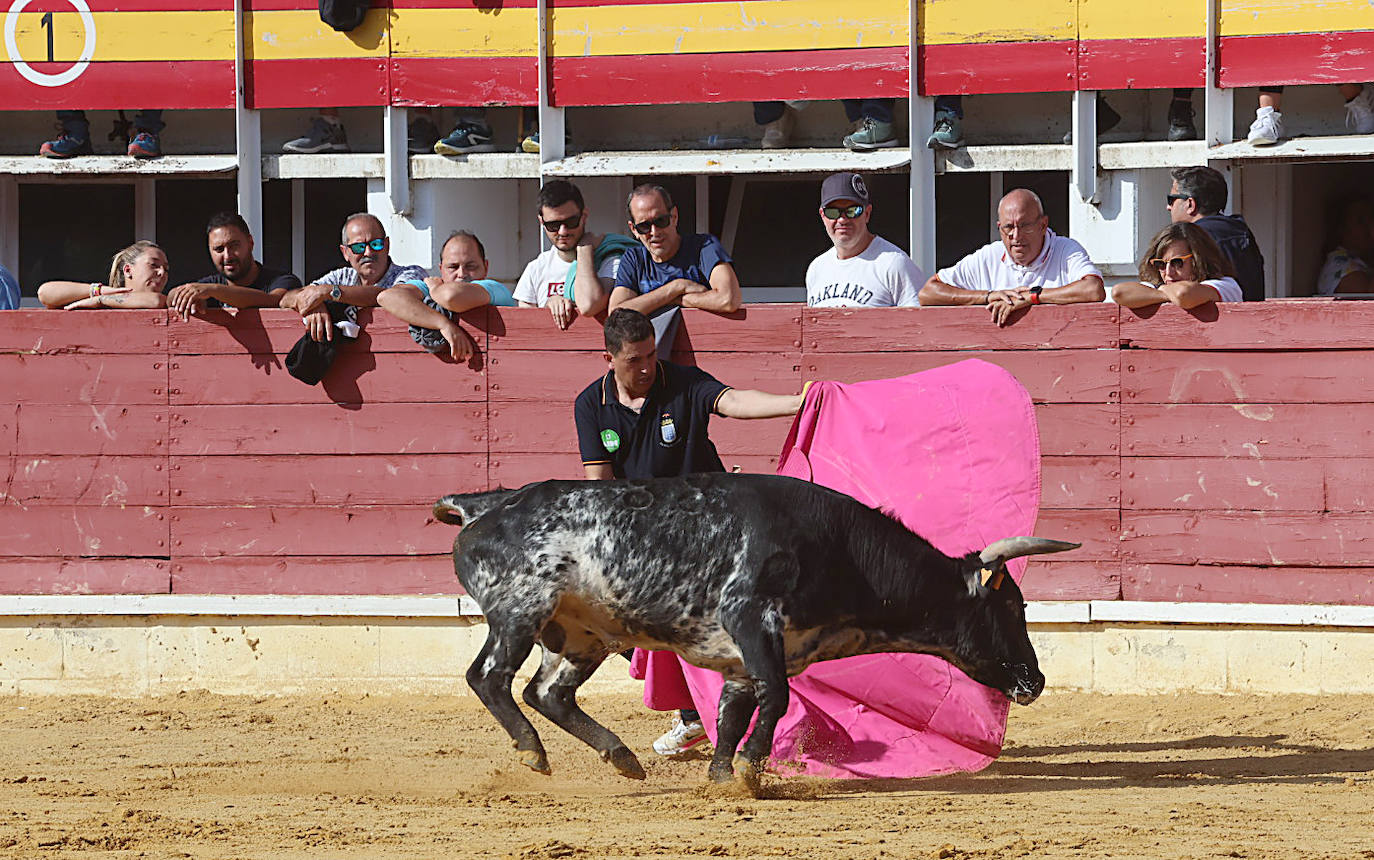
x: 75, y: 124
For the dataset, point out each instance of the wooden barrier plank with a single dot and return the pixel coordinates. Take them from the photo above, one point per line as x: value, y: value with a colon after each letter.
x: 355, y: 479
x: 533, y: 328
x: 378, y: 428
x: 1142, y: 63
x: 355, y: 377
x: 1319, y: 57
x: 261, y: 332
x: 83, y: 378
x: 1082, y: 326
x: 1271, y: 325
x: 1188, y: 583
x: 84, y: 576
x: 1261, y: 431
x: 277, y: 530
x: 1063, y: 376
x: 547, y: 427
x: 90, y: 430
x: 1349, y: 485
x: 1072, y: 580
x: 1080, y: 482
x: 1078, y: 429
x: 753, y: 328
x: 102, y: 481
x: 118, y: 332
x: 1097, y: 530
x: 83, y: 530
x: 977, y: 68
x: 1215, y: 484
x: 1312, y: 539
x: 555, y: 376
x: 1305, y: 376
x: 418, y: 574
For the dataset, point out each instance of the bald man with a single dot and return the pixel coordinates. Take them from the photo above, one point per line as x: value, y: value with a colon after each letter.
x: 1031, y: 265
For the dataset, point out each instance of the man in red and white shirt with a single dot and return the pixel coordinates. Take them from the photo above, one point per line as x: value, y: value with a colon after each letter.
x: 544, y: 283
x: 1030, y: 266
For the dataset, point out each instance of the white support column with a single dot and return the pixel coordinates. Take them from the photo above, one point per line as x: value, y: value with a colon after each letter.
x: 733, y: 206
x: 396, y: 159
x: 920, y: 125
x: 145, y: 208
x: 247, y: 133
x: 298, y: 228
x: 9, y: 223
x: 1085, y: 145
x: 551, y: 120
x: 703, y: 203
x: 1219, y: 104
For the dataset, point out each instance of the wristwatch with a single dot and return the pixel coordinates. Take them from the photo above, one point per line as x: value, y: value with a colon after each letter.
x: 1035, y: 295
x: 336, y: 293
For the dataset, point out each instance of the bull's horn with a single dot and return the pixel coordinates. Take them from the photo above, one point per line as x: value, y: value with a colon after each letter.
x: 1002, y: 551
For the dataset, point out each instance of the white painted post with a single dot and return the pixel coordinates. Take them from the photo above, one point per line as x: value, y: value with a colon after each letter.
x: 1085, y: 146
x: 247, y: 133
x: 551, y: 120
x: 396, y: 159
x: 1219, y: 103
x: 920, y: 125
x: 734, y: 204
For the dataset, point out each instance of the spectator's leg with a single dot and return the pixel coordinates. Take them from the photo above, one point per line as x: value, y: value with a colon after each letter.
x: 1181, y: 125
x: 777, y: 119
x: 1267, y: 129
x: 74, y: 137
x: 949, y: 123
x: 1359, y: 107
x: 875, y: 129
x: 1107, y: 118
x: 326, y: 134
x: 144, y: 143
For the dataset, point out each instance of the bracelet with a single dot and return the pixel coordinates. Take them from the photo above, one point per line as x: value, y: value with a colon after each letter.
x: 97, y: 289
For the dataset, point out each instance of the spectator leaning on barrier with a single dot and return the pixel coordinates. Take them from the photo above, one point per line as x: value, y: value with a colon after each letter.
x: 1183, y: 266
x: 75, y: 136
x: 1346, y: 268
x: 1030, y: 266
x: 1198, y: 194
x: 239, y: 281
x: 461, y: 286
x: 138, y: 274
x: 647, y: 418
x: 9, y: 290
x: 576, y: 274
x: 862, y: 270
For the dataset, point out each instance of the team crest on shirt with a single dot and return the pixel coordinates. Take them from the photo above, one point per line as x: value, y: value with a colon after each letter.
x: 610, y: 440
x: 667, y: 430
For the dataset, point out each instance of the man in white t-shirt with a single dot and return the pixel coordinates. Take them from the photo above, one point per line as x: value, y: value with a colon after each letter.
x: 544, y: 283
x: 1030, y: 266
x: 863, y: 270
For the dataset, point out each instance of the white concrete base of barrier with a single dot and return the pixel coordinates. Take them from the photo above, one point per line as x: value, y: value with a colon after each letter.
x: 139, y: 646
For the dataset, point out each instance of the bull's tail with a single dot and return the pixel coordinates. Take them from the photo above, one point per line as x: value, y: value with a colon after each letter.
x: 458, y: 509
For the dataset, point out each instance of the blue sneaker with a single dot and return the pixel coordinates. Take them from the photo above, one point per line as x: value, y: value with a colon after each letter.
x: 470, y: 135
x: 66, y: 146
x: 145, y: 145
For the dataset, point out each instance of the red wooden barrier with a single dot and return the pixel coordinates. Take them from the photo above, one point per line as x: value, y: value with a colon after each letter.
x: 1219, y: 455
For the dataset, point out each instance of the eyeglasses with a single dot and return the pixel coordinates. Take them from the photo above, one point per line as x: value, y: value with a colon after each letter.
x: 570, y: 223
x: 833, y: 213
x: 643, y: 228
x: 361, y: 247
x: 1008, y: 229
x: 1172, y: 198
x: 1171, y: 263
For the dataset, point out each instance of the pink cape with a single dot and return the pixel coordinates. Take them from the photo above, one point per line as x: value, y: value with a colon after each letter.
x: 955, y: 454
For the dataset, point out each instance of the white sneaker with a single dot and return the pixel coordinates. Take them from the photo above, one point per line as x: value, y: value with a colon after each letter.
x: 1359, y: 111
x: 1267, y: 129
x: 778, y: 133
x: 680, y: 738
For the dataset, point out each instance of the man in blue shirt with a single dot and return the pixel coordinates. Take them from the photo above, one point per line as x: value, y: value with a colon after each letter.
x: 9, y: 290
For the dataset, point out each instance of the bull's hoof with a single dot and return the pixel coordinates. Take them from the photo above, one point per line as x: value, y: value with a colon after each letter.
x: 536, y: 761
x: 626, y: 762
x: 748, y: 775
x: 720, y: 772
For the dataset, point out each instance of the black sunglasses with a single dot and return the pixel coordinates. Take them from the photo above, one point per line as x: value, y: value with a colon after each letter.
x: 1174, y: 197
x: 570, y: 223
x: 360, y: 247
x: 643, y: 228
x: 834, y: 212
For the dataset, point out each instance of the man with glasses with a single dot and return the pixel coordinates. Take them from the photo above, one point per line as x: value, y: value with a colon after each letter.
x: 1031, y: 265
x: 863, y: 270
x: 1198, y: 195
x: 574, y: 276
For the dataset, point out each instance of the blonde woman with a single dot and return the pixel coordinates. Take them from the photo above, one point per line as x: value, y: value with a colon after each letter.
x: 1183, y: 266
x: 138, y: 274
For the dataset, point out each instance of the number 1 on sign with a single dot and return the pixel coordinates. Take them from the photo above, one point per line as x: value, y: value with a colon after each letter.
x: 46, y: 21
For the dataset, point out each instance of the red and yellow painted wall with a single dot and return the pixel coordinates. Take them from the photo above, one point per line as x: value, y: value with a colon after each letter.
x: 180, y: 53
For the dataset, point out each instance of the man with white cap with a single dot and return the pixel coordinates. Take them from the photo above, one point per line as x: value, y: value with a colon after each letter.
x: 863, y: 269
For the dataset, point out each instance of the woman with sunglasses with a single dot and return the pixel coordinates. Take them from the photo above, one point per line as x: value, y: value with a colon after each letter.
x: 1183, y: 266
x: 138, y: 275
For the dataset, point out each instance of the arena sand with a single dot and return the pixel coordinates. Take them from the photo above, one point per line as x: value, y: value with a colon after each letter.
x: 1084, y: 776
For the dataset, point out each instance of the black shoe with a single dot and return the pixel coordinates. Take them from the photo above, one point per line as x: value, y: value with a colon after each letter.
x: 1181, y: 125
x: 1107, y: 119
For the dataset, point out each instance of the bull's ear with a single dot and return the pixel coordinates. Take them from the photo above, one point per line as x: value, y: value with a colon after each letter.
x: 983, y: 579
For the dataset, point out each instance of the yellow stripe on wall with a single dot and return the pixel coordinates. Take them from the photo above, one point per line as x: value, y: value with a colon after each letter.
x: 958, y: 22
x: 129, y: 36
x: 1157, y: 19
x: 464, y: 33
x: 1274, y: 17
x: 299, y: 34
x: 753, y: 25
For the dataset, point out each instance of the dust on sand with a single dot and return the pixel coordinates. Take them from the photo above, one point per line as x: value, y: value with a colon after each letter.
x: 1083, y: 776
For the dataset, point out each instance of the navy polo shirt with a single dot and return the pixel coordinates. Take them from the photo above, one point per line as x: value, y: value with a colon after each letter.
x: 666, y: 438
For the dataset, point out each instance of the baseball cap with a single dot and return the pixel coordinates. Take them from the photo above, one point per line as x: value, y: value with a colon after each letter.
x: 844, y: 186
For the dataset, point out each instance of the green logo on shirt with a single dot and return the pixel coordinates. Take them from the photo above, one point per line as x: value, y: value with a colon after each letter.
x: 610, y: 440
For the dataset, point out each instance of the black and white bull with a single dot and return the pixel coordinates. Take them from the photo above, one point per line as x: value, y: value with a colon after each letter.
x: 753, y: 576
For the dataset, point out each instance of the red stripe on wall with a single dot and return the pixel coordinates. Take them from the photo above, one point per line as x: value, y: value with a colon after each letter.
x: 1121, y: 64
x: 749, y: 76
x: 186, y: 84
x: 1298, y: 58
x: 1001, y: 67
x: 348, y: 82
x: 465, y: 82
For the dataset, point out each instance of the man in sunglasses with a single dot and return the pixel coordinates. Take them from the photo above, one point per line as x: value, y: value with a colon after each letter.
x: 863, y: 270
x: 1032, y: 265
x: 575, y: 275
x: 670, y: 270
x: 1198, y: 194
